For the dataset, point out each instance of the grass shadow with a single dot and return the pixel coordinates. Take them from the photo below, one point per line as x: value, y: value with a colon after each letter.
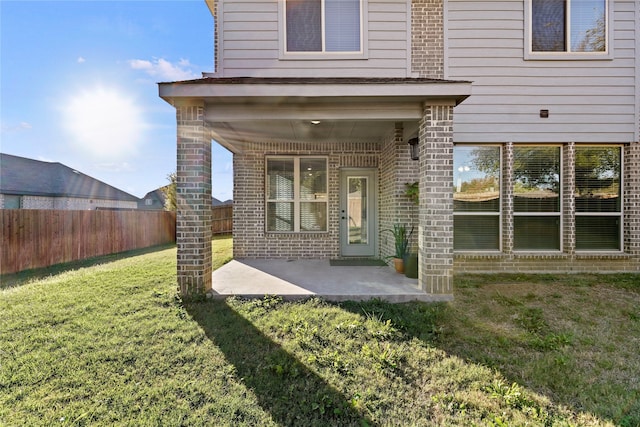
x: 548, y: 362
x: 13, y: 280
x: 284, y: 387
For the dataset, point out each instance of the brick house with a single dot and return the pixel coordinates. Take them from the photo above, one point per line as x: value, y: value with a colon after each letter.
x: 525, y: 114
x: 34, y: 184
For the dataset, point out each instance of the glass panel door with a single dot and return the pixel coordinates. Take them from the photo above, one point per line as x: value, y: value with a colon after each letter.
x: 358, y: 224
x: 357, y: 210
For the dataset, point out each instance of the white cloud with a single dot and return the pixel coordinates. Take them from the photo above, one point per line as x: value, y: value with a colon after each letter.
x: 116, y: 167
x: 81, y: 60
x: 16, y: 128
x: 104, y: 123
x: 165, y: 70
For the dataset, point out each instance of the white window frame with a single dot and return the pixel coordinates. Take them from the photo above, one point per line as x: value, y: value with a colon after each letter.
x: 323, y: 55
x: 487, y: 213
x: 529, y: 54
x: 296, y: 195
x: 559, y: 214
x: 619, y: 215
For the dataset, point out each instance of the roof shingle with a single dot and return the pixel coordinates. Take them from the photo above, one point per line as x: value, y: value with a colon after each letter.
x: 22, y: 176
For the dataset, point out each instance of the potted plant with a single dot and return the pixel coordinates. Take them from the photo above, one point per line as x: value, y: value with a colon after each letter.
x: 412, y: 191
x: 401, y: 238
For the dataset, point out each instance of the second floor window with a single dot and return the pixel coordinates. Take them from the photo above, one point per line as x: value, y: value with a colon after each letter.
x: 323, y: 26
x: 570, y: 26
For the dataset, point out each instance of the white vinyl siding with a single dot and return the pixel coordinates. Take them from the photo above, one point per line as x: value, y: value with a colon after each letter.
x: 589, y: 101
x: 250, y: 45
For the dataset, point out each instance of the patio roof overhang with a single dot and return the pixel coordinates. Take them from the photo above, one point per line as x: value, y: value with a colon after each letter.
x: 240, y: 110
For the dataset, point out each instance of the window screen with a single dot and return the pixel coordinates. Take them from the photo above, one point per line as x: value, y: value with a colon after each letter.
x: 568, y: 25
x: 304, y: 25
x: 323, y: 25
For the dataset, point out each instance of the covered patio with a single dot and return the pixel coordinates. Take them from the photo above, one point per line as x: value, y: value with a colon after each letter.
x: 300, y: 279
x: 351, y: 125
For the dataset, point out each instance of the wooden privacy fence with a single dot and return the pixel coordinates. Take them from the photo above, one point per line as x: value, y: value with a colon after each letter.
x: 222, y: 219
x: 40, y: 238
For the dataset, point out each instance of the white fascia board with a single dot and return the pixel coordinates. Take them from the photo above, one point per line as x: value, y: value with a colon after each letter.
x: 455, y: 90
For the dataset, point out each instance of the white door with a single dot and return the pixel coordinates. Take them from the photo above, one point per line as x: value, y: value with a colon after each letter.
x: 358, y: 219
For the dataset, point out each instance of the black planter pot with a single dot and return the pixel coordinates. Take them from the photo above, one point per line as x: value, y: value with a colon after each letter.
x: 411, y: 265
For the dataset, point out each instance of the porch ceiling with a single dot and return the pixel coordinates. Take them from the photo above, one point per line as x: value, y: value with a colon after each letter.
x: 235, y: 133
x: 240, y: 110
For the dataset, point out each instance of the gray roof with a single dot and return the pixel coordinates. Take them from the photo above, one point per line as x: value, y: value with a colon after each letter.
x: 22, y: 176
x: 157, y: 198
x: 316, y: 80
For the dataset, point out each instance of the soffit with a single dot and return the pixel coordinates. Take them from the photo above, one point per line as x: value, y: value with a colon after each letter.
x: 349, y: 110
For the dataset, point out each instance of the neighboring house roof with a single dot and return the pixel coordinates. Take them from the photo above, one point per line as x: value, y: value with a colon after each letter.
x: 28, y: 177
x: 157, y: 194
x: 153, y: 200
x: 157, y: 198
x: 216, y: 202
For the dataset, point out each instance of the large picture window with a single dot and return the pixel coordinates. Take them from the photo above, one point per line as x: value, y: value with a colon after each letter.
x: 323, y: 26
x: 598, y: 198
x: 536, y: 198
x: 476, y: 198
x: 296, y: 194
x: 571, y: 26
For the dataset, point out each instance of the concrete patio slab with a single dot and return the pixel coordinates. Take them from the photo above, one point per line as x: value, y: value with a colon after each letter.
x: 299, y: 279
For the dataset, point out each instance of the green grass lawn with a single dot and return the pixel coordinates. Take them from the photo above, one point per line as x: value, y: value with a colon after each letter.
x: 112, y: 344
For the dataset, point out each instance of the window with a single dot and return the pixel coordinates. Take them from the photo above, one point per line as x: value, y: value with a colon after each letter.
x: 598, y: 198
x: 536, y: 198
x: 323, y: 26
x: 476, y: 198
x: 569, y: 26
x: 296, y: 194
x: 12, y: 202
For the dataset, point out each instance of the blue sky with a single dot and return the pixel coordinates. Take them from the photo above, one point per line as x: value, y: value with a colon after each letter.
x: 78, y: 86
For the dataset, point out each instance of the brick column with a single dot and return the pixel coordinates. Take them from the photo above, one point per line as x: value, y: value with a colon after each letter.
x: 436, y: 200
x: 569, y: 200
x: 193, y: 228
x: 507, y: 198
x: 632, y: 200
x: 427, y: 38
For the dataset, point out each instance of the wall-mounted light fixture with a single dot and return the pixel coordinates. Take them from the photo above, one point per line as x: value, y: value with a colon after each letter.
x: 413, y: 146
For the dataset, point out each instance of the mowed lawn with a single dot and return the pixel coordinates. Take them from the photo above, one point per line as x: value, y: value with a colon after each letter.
x: 112, y: 344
